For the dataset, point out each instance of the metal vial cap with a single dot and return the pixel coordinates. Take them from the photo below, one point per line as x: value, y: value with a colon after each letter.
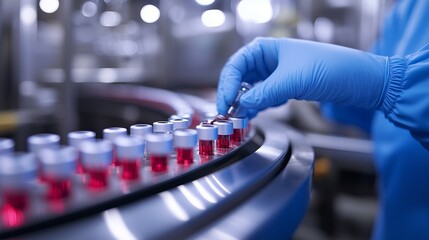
x: 59, y: 163
x: 185, y: 138
x: 77, y: 137
x: 180, y: 123
x: 97, y: 153
x: 239, y: 123
x: 6, y: 146
x: 17, y: 169
x: 40, y: 141
x: 159, y: 143
x: 162, y: 127
x: 140, y: 130
x: 129, y: 147
x: 207, y: 132
x: 224, y: 127
x: 113, y: 132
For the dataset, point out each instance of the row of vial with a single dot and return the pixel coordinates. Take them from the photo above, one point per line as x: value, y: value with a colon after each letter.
x: 54, y: 165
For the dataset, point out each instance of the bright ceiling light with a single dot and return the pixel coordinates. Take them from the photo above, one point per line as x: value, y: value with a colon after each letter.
x: 149, y: 13
x: 49, y: 6
x: 213, y: 18
x: 255, y: 11
x: 204, y: 2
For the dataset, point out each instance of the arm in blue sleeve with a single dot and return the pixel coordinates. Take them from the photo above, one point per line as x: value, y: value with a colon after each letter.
x: 361, y: 118
x: 406, y: 94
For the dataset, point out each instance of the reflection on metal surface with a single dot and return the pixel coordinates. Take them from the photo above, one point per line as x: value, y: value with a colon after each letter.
x: 206, y: 195
x: 174, y: 206
x: 219, y: 234
x: 191, y: 198
x: 270, y: 151
x: 116, y: 225
x: 213, y: 187
x: 220, y: 184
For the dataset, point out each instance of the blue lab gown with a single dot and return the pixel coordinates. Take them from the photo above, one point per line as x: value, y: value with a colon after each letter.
x: 401, y: 161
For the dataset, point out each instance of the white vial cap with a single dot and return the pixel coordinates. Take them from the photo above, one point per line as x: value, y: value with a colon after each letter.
x: 129, y: 147
x: 239, y: 123
x: 159, y: 143
x: 185, y: 138
x: 96, y: 154
x: 180, y: 123
x: 40, y: 141
x: 17, y: 169
x: 77, y: 137
x: 162, y: 127
x: 207, y: 132
x: 140, y: 130
x: 113, y: 132
x: 58, y: 163
x: 172, y: 117
x: 224, y: 127
x: 6, y: 146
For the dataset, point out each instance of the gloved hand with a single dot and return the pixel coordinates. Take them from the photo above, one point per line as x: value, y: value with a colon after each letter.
x: 297, y: 69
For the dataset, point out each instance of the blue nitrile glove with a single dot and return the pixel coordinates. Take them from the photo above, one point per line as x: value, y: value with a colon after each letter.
x: 297, y: 69
x: 304, y: 70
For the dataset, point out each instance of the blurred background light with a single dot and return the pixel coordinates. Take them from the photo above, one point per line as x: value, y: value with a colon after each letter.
x: 204, y: 2
x: 255, y: 11
x: 213, y: 18
x: 89, y: 9
x: 49, y: 6
x: 110, y: 19
x: 149, y: 13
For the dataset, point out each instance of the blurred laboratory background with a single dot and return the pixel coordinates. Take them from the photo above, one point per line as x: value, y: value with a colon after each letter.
x: 54, y: 53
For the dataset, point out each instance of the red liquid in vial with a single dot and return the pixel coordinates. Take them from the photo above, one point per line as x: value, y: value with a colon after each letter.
x: 130, y: 169
x: 185, y: 156
x: 158, y: 163
x: 237, y: 136
x: 223, y: 141
x: 57, y: 188
x: 98, y: 179
x: 12, y: 211
x: 206, y: 147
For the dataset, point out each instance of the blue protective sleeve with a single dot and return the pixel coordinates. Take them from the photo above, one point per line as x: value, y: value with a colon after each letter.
x: 406, y: 94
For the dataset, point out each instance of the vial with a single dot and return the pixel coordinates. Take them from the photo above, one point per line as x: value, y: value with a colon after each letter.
x: 240, y: 126
x: 58, y: 166
x: 96, y: 159
x: 41, y: 141
x: 159, y: 147
x: 235, y: 110
x: 225, y: 131
x: 207, y: 134
x: 16, y: 171
x: 140, y: 130
x: 180, y: 123
x: 110, y: 134
x: 162, y: 127
x: 6, y: 146
x: 130, y: 151
x: 74, y: 140
x: 185, y: 141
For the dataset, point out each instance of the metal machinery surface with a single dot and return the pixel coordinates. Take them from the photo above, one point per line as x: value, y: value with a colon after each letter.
x: 259, y: 189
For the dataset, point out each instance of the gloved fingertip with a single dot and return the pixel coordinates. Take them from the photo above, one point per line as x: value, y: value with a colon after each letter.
x: 247, y: 101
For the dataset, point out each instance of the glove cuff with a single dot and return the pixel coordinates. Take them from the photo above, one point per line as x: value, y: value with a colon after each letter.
x: 394, y: 84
